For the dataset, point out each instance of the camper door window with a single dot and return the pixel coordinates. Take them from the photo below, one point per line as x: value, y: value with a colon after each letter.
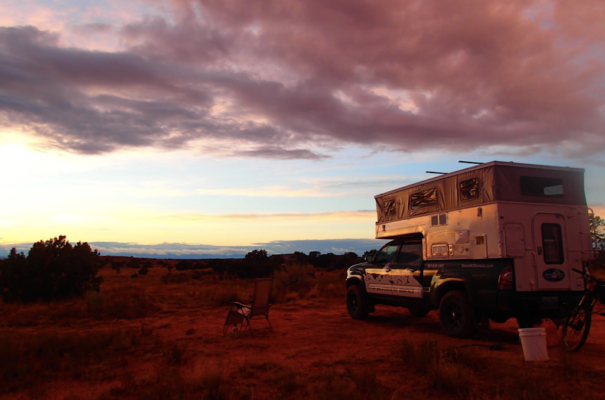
x: 553, y: 244
x: 424, y: 198
x: 538, y: 186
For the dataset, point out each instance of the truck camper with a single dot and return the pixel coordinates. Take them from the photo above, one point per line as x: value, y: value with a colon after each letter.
x: 493, y: 241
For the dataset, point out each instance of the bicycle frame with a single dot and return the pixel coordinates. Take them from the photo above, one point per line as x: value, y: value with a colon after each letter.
x: 577, y: 324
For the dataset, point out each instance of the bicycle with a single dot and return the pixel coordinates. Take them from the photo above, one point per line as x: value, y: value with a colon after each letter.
x: 577, y: 324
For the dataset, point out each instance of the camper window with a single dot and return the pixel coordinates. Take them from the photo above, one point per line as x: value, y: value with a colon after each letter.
x: 422, y: 199
x: 537, y: 186
x: 390, y: 209
x: 469, y: 189
x: 553, y: 245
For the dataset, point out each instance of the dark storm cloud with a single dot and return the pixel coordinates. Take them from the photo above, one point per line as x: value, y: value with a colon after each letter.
x: 284, y: 77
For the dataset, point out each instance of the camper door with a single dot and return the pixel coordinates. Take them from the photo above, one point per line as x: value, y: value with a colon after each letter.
x: 552, y: 266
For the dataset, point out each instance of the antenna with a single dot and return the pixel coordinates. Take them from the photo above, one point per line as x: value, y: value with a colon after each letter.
x: 470, y: 162
x: 434, y: 172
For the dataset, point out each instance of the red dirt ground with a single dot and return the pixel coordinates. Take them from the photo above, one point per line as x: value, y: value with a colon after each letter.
x: 310, y: 337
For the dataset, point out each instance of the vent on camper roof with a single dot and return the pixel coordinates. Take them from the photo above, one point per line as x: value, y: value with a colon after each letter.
x: 440, y: 219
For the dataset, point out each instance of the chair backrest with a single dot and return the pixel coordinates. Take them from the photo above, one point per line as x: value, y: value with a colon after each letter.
x: 262, y: 293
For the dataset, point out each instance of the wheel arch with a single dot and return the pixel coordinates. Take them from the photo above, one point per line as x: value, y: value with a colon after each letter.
x: 355, y: 280
x: 447, y: 286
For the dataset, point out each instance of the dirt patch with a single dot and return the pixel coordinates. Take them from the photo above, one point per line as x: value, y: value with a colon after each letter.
x: 169, y: 344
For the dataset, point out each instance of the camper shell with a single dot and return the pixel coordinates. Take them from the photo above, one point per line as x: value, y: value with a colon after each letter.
x: 470, y: 229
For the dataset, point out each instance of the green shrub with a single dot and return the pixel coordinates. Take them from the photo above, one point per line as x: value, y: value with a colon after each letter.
x: 52, y: 270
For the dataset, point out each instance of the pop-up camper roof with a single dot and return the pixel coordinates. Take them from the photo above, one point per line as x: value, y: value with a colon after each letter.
x: 482, y: 184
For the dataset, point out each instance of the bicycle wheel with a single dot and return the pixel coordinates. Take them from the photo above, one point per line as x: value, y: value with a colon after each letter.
x: 576, y: 328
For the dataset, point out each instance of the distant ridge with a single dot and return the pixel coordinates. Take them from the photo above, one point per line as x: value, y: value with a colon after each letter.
x: 198, y: 251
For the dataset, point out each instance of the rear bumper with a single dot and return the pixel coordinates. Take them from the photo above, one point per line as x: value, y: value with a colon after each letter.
x: 544, y: 304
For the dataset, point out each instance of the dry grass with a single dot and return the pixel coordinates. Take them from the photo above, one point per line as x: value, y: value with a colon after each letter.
x: 129, y: 305
x: 130, y: 341
x: 467, y: 373
x: 24, y: 360
x: 173, y: 384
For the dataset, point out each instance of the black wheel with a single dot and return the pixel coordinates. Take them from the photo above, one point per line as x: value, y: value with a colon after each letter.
x: 576, y: 328
x: 419, y: 311
x: 355, y: 303
x: 456, y: 315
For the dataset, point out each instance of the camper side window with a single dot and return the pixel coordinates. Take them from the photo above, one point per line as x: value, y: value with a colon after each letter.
x: 553, y: 245
x: 469, y: 189
x: 537, y: 186
x: 425, y: 198
x: 390, y: 209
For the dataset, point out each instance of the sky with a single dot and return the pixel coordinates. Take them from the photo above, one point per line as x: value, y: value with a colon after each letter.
x: 212, y: 127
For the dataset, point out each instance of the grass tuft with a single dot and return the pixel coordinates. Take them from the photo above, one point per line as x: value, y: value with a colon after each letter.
x: 26, y: 358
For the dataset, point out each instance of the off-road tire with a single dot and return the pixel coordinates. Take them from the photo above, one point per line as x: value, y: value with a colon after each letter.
x: 419, y: 311
x: 576, y: 328
x: 456, y: 315
x: 356, y: 305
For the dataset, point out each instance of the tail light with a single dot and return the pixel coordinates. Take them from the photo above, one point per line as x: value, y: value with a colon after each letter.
x: 506, y: 279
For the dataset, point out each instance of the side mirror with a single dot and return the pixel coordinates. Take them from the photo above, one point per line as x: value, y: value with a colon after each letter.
x: 369, y: 257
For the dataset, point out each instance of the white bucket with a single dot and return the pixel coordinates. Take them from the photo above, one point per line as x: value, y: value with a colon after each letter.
x: 533, y: 341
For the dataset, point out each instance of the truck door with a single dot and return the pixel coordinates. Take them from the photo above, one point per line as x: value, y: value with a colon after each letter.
x: 406, y: 272
x: 378, y: 279
x: 550, y: 252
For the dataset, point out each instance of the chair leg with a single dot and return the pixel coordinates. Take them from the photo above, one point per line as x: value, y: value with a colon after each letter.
x: 267, y: 317
x: 248, y: 326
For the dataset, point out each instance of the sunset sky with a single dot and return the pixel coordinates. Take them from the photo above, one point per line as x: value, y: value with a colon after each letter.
x: 212, y: 127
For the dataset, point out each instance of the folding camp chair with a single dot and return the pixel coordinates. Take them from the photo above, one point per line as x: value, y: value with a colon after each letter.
x: 241, y: 314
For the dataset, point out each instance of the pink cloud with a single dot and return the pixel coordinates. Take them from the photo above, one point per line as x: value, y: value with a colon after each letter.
x: 295, y: 74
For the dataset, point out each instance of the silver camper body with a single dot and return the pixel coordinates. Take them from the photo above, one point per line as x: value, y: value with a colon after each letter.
x: 536, y: 215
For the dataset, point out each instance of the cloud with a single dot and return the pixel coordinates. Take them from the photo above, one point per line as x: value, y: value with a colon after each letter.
x: 282, y: 79
x: 340, y: 216
x: 277, y: 152
x: 93, y: 28
x: 270, y: 191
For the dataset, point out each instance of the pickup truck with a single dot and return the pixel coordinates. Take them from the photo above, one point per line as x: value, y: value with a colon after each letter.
x: 492, y: 242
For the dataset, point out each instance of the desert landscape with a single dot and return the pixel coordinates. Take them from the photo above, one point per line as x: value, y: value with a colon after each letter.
x: 159, y: 336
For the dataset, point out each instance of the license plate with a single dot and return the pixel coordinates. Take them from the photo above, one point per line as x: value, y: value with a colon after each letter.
x: 550, y: 301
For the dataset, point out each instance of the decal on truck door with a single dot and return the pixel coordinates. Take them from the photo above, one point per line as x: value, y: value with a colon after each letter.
x: 397, y: 282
